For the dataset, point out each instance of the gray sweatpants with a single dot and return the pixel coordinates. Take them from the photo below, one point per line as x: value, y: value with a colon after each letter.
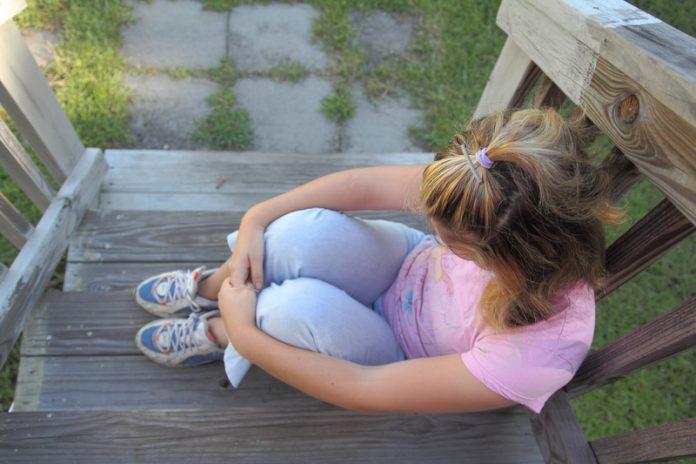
x: 324, y: 271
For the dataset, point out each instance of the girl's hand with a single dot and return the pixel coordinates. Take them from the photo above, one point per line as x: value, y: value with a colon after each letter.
x: 237, y: 304
x: 246, y: 263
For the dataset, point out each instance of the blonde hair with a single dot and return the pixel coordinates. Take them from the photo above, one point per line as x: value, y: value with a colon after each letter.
x: 535, y: 217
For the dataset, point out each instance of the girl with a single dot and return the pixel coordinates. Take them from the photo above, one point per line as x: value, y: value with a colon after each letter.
x: 496, y: 308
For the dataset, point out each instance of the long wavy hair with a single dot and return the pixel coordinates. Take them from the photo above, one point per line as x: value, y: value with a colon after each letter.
x: 535, y: 219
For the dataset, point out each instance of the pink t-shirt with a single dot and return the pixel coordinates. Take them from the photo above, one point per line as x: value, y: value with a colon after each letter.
x: 432, y: 309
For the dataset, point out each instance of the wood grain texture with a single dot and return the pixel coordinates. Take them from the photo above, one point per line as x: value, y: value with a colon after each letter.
x: 117, y: 276
x: 659, y: 339
x: 77, y: 323
x: 558, y: 433
x: 643, y: 244
x: 19, y: 166
x: 265, y: 435
x: 35, y: 263
x: 13, y: 226
x: 30, y: 102
x: 660, y: 142
x: 10, y: 9
x: 120, y: 383
x: 175, y: 236
x: 664, y: 442
x: 510, y: 81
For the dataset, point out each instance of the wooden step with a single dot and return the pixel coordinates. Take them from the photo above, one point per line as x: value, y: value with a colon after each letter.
x: 220, y: 181
x: 265, y: 435
x: 114, y: 250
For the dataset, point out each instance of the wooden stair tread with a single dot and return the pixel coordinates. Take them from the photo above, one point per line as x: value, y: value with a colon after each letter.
x: 269, y: 435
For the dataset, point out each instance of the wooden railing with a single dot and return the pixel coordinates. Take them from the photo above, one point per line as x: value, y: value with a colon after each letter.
x: 29, y: 101
x: 634, y: 78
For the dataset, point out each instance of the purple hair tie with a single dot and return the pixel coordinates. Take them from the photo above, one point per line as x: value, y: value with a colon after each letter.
x: 483, y: 159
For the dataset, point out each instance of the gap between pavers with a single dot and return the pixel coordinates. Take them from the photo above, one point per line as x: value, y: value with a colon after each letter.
x: 169, y: 33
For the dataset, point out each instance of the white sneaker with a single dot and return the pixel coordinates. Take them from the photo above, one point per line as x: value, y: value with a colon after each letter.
x: 174, y: 293
x: 180, y: 342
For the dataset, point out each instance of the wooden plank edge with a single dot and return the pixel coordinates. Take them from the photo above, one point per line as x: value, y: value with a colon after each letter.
x: 32, y: 269
x: 558, y: 433
x: 666, y: 441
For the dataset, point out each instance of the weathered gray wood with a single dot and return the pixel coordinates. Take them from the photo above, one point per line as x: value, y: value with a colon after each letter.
x: 30, y: 102
x: 558, y: 433
x: 34, y: 266
x: 660, y: 338
x: 17, y: 163
x: 665, y: 442
x: 174, y: 236
x: 10, y: 9
x: 13, y: 226
x: 72, y: 323
x: 118, y: 383
x: 510, y: 81
x: 220, y: 181
x: 660, y: 140
x: 117, y: 276
x: 265, y: 435
x: 644, y: 243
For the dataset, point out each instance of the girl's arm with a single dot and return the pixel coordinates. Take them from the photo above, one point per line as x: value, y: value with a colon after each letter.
x: 438, y: 384
x: 379, y: 188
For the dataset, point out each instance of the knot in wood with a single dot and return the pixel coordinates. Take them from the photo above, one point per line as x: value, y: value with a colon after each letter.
x: 628, y: 109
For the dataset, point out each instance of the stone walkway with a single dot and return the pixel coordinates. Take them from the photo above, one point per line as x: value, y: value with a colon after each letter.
x: 285, y: 116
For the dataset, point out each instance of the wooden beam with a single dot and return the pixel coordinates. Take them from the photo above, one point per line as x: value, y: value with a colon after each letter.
x: 34, y: 266
x: 13, y: 226
x: 622, y: 173
x: 547, y: 94
x: 20, y: 167
x: 30, y: 102
x: 665, y: 442
x: 643, y: 244
x: 510, y: 81
x: 660, y: 338
x: 10, y: 9
x: 659, y: 138
x: 558, y: 433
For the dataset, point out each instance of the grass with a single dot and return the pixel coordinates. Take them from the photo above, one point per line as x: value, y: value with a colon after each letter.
x: 443, y: 72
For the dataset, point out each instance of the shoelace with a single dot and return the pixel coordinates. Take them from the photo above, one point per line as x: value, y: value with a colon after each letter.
x: 181, y: 291
x: 180, y: 335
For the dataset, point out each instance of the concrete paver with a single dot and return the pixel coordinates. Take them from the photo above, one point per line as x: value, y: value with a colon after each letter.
x: 382, y: 34
x: 41, y: 45
x: 262, y: 36
x: 164, y: 110
x: 170, y: 33
x: 381, y: 127
x: 286, y: 117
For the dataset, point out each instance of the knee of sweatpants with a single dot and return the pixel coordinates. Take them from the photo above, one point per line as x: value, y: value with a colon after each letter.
x: 288, y: 311
x: 314, y: 315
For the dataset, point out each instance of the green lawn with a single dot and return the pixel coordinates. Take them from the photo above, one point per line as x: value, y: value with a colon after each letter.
x: 453, y: 52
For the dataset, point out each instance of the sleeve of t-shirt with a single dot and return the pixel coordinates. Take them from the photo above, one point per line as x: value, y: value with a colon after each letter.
x: 529, y: 364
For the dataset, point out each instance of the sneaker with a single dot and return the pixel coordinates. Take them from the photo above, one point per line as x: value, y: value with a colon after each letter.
x: 180, y: 342
x: 173, y: 294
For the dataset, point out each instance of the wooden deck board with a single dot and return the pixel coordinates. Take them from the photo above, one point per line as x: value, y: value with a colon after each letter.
x: 220, y: 181
x: 268, y: 435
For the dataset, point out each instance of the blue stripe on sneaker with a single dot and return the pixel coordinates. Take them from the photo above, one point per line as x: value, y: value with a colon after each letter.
x: 146, y: 338
x: 203, y: 358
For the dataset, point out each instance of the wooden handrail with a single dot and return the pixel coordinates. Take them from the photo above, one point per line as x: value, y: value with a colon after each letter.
x: 10, y: 8
x: 596, y: 52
